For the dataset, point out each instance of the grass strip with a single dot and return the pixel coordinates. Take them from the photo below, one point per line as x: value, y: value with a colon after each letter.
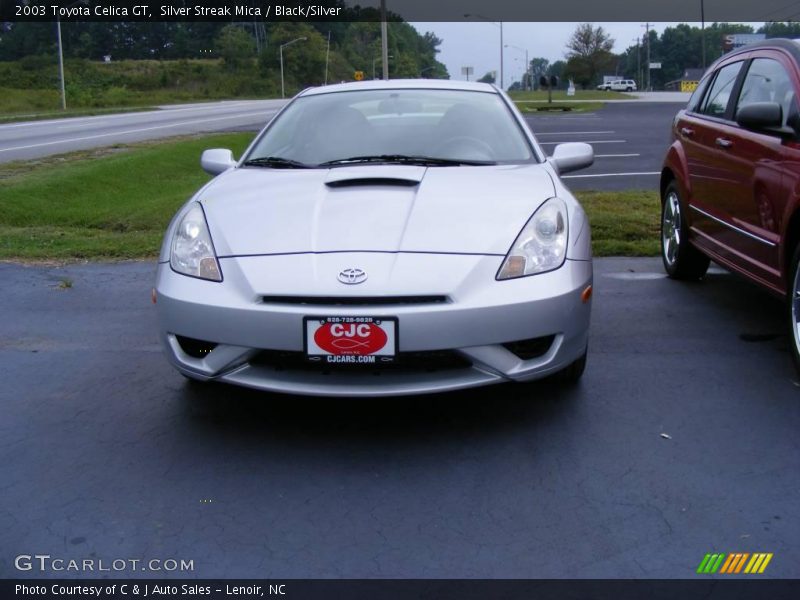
x: 115, y: 202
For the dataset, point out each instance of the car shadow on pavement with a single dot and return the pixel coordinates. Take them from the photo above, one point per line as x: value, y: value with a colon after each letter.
x: 490, y: 410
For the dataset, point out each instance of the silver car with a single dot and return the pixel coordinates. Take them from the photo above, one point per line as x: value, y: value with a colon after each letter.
x: 381, y: 238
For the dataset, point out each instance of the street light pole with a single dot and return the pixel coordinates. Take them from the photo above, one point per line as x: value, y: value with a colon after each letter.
x: 300, y: 39
x: 500, y: 23
x: 527, y: 62
x: 61, y: 65
x: 61, y: 56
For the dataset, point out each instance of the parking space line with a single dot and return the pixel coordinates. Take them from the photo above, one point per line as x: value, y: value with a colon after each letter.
x: 586, y: 142
x: 574, y: 132
x: 610, y: 175
x: 615, y: 155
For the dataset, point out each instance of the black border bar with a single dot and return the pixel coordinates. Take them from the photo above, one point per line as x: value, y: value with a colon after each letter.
x: 409, y: 10
x: 396, y: 589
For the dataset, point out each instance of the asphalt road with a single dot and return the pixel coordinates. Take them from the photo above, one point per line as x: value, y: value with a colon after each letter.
x: 34, y: 139
x: 629, y: 139
x: 681, y: 439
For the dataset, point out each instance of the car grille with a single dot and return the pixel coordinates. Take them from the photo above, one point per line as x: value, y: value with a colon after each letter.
x: 355, y: 300
x: 431, y: 361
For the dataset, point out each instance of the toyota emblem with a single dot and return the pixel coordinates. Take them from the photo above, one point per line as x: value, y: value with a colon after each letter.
x: 352, y: 276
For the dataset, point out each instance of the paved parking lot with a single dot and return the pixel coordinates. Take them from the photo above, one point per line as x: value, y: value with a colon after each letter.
x: 680, y: 440
x: 629, y: 141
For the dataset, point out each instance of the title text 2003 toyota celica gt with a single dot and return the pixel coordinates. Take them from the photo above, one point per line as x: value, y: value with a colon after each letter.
x: 381, y: 238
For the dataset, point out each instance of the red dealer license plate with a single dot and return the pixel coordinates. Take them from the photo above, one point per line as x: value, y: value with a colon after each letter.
x: 350, y: 340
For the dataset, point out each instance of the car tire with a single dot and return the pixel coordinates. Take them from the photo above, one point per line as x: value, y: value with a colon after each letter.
x: 793, y: 308
x: 572, y: 373
x: 628, y: 89
x: 681, y: 259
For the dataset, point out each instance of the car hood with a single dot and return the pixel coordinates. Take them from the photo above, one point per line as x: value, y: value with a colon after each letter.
x: 377, y: 208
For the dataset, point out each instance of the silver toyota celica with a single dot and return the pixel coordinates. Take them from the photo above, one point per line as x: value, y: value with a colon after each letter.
x: 381, y: 238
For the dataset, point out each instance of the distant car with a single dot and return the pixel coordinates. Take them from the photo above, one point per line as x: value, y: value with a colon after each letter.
x: 381, y: 238
x: 621, y: 85
x: 730, y: 184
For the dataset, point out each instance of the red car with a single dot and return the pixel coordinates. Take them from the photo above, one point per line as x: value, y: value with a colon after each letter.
x: 730, y: 185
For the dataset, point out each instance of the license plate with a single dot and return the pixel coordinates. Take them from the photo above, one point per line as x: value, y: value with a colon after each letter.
x: 350, y: 340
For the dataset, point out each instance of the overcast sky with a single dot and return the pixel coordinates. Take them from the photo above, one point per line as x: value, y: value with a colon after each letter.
x: 477, y: 44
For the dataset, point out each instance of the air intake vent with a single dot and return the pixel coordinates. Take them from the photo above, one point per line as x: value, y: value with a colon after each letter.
x: 372, y: 181
x: 355, y: 300
x: 532, y: 348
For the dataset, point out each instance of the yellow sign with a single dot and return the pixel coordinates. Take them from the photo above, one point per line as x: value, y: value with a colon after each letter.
x: 689, y: 86
x: 358, y: 75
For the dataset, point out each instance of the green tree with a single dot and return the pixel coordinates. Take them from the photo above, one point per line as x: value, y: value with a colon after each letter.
x: 588, y: 54
x: 489, y: 77
x: 235, y: 46
x: 538, y: 67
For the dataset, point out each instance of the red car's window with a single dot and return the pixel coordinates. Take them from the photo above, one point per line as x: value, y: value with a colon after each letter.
x: 716, y: 101
x: 768, y: 81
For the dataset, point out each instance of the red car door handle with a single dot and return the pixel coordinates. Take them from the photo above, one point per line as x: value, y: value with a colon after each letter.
x: 687, y: 132
x: 723, y: 143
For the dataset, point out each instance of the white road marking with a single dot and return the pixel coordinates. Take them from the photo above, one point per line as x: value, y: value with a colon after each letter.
x: 610, y: 175
x: 129, y: 131
x: 615, y: 155
x: 587, y: 142
x: 574, y: 132
x: 165, y: 111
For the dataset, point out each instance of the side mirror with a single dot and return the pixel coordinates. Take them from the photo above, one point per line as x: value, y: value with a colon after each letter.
x: 217, y: 160
x: 760, y: 115
x: 572, y: 156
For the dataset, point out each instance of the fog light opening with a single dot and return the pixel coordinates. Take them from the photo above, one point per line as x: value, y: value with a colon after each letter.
x: 195, y: 348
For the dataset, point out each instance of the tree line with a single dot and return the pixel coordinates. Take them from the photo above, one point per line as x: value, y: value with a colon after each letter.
x: 589, y: 57
x: 345, y: 47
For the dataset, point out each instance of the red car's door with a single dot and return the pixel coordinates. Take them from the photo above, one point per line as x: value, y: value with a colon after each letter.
x: 710, y: 179
x: 755, y: 209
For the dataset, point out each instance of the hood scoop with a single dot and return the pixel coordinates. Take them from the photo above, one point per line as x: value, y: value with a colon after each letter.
x: 375, y: 175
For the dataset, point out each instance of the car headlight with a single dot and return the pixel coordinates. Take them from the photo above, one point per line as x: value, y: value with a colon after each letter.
x: 541, y: 246
x: 192, y: 249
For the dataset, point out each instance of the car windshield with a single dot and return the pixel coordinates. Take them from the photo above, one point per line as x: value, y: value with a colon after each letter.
x: 432, y: 127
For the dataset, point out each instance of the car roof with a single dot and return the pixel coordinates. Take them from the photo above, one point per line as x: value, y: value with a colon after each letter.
x: 792, y: 46
x: 396, y: 84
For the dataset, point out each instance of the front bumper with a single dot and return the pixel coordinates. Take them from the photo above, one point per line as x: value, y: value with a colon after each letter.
x: 479, y: 317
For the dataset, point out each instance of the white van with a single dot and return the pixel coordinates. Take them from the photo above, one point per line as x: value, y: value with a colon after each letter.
x: 621, y: 85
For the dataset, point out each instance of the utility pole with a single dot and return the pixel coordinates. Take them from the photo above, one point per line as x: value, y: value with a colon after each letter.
x: 384, y: 41
x: 647, y: 29
x: 639, y: 60
x: 502, y: 78
x: 327, y: 57
x: 703, y: 30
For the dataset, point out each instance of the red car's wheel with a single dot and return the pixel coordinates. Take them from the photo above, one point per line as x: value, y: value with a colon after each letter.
x: 794, y: 308
x: 681, y: 259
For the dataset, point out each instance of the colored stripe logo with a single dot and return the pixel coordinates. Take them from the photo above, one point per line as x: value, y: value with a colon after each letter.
x: 736, y: 562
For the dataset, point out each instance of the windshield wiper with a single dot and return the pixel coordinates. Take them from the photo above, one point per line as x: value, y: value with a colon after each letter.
x: 406, y: 159
x: 276, y: 162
